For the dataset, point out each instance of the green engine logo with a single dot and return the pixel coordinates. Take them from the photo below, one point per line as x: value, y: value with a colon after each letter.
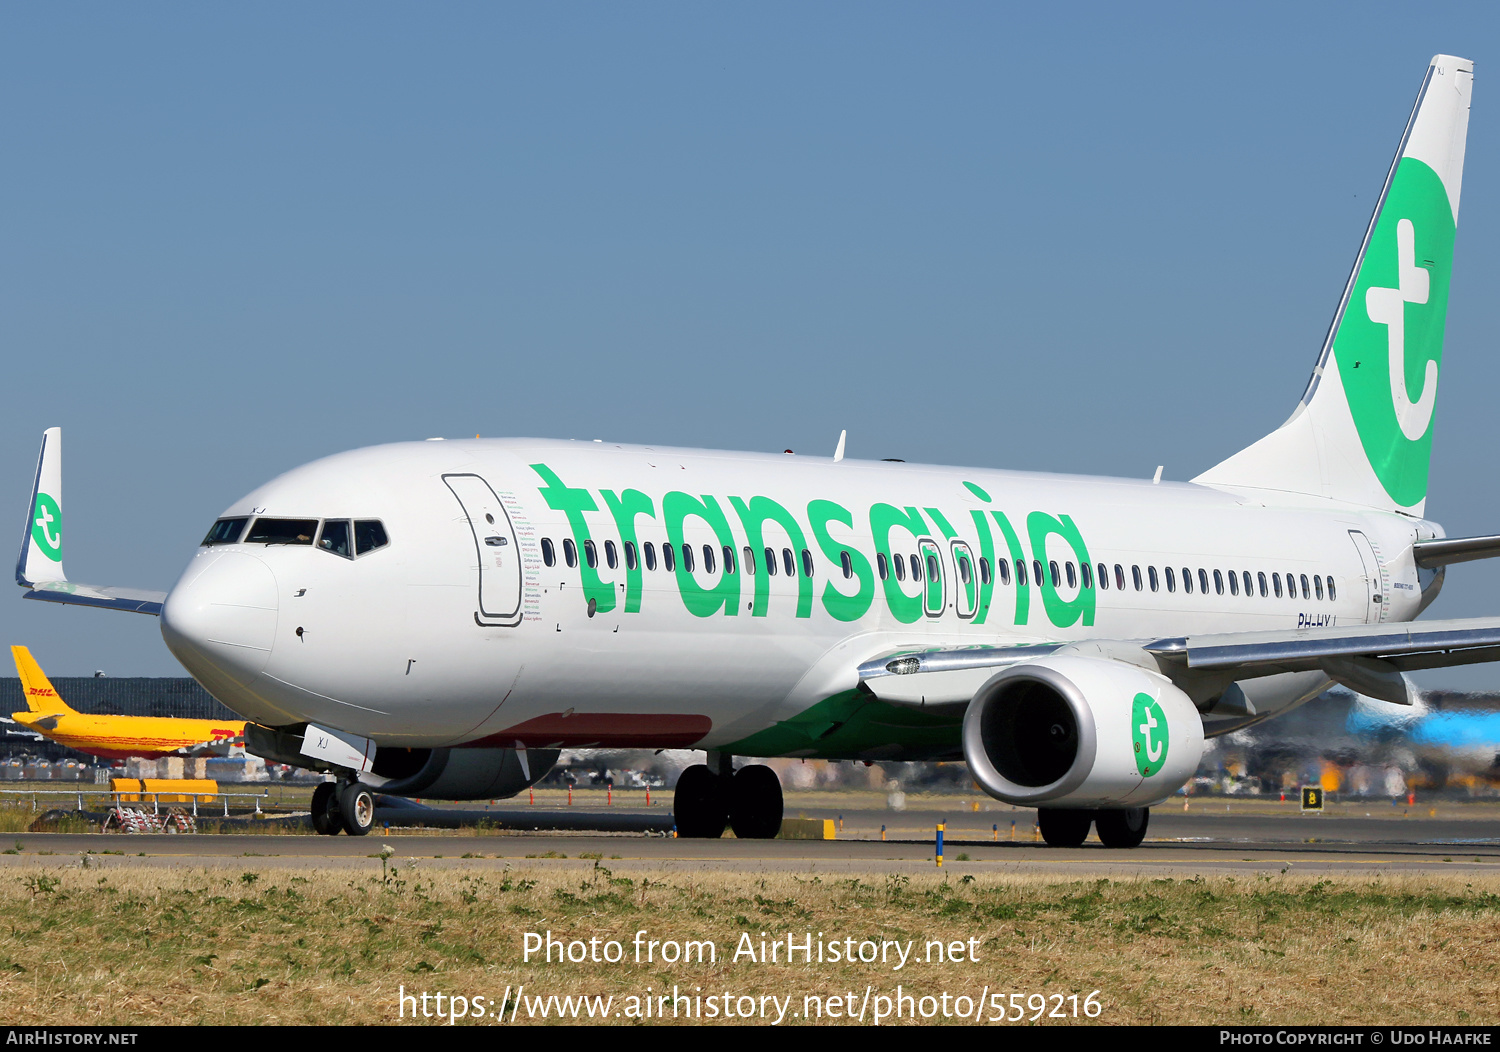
x: 1148, y: 729
x: 46, y: 527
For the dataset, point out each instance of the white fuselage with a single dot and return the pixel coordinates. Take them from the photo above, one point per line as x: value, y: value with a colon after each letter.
x: 457, y: 631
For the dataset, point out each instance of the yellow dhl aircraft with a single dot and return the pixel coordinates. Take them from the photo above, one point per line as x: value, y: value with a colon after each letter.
x: 111, y: 737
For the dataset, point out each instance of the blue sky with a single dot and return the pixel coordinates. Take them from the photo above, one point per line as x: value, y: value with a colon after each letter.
x: 1089, y: 239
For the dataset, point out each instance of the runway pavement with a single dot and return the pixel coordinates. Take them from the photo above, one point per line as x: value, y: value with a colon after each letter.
x: 1203, y: 840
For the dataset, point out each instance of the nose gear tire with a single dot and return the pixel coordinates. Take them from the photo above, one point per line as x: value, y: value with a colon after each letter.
x: 327, y: 819
x: 357, y: 807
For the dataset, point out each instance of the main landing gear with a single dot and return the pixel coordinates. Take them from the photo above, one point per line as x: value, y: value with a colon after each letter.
x: 1119, y: 827
x: 748, y: 801
x: 343, y: 806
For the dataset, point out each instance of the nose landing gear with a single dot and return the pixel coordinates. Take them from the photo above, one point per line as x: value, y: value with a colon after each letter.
x: 345, y: 806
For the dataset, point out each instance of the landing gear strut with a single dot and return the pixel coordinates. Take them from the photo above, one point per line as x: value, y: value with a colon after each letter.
x: 748, y: 800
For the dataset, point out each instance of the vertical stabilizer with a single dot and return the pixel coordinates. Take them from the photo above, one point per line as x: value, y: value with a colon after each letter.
x: 1362, y: 433
x: 41, y: 545
x: 41, y: 697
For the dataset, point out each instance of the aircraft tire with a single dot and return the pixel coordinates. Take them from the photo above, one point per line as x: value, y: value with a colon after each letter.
x: 698, y: 805
x: 327, y: 819
x: 357, y: 809
x: 1122, y: 828
x: 1064, y: 827
x: 755, y: 805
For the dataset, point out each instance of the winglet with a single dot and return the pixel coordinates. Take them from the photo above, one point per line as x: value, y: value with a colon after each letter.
x: 40, y: 560
x: 41, y: 697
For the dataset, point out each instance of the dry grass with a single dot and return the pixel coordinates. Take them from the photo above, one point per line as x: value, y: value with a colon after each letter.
x: 120, y: 943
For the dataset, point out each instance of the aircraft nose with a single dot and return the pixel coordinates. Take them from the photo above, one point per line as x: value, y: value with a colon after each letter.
x: 220, y: 619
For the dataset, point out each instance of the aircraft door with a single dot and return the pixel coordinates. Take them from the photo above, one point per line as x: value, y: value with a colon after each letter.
x: 934, y: 592
x: 495, y: 546
x: 1376, y: 583
x: 966, y: 583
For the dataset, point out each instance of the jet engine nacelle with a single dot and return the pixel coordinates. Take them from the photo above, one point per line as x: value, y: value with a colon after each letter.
x: 460, y: 774
x: 1076, y: 732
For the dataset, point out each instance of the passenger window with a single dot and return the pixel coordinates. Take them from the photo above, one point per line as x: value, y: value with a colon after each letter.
x: 1318, y: 585
x: 590, y: 555
x: 1171, y: 580
x: 1088, y: 576
x: 335, y: 538
x: 807, y: 563
x: 1021, y: 573
x: 1276, y: 584
x: 1151, y: 574
x: 1036, y: 572
x: 1119, y: 577
x: 1261, y: 579
x: 749, y: 560
x: 1187, y: 580
x: 1103, y: 577
x: 963, y: 568
x: 1306, y: 591
x: 1056, y: 577
x: 282, y: 531
x: 650, y: 553
x: 1003, y: 569
x: 369, y: 534
x: 1135, y: 573
x: 687, y: 556
x: 630, y: 557
x: 847, y: 564
x: 570, y: 552
x: 1332, y: 595
x: 788, y: 563
x: 900, y: 565
x: 1203, y: 581
x: 1249, y: 586
x: 882, y: 567
x: 225, y: 531
x: 669, y: 558
x: 771, y: 561
x: 1218, y: 583
x: 984, y: 570
x: 708, y: 559
x: 1234, y: 583
x: 611, y: 559
x: 549, y: 554
x: 916, y: 568
x: 933, y: 572
x: 728, y: 559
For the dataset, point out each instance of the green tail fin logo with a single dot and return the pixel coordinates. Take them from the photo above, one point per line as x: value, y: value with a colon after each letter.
x: 1390, y: 345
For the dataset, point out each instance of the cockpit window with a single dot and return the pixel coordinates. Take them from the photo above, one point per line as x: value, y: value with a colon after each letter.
x: 282, y: 531
x: 369, y: 534
x: 225, y: 531
x: 336, y: 539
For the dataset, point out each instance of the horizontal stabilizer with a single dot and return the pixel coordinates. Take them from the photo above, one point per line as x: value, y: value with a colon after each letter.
x: 1447, y: 550
x: 39, y: 569
x: 131, y: 600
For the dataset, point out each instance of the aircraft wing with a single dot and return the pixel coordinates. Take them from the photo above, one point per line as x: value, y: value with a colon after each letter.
x: 1367, y: 658
x: 39, y: 568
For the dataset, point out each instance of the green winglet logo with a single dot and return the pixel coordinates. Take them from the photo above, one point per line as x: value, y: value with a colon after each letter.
x: 46, y: 527
x: 1390, y: 342
x: 1148, y: 729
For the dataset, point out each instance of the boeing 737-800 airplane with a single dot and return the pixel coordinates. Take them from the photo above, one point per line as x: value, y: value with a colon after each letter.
x: 440, y: 618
